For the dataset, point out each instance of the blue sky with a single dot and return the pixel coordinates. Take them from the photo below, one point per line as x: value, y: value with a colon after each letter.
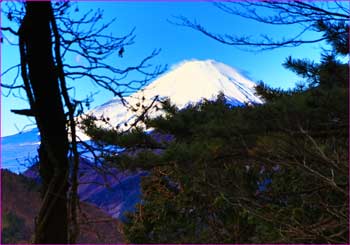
x: 153, y: 31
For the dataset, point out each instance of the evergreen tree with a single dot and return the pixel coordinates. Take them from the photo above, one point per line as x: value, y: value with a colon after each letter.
x: 277, y: 172
x: 274, y: 173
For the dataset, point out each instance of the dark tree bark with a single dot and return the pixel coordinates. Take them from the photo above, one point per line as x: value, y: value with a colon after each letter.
x: 43, y: 44
x: 43, y: 86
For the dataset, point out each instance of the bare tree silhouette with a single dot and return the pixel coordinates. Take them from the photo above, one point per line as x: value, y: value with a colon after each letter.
x: 48, y: 33
x: 329, y: 19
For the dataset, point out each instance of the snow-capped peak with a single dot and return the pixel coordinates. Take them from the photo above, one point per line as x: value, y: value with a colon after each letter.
x: 194, y: 80
x: 187, y: 82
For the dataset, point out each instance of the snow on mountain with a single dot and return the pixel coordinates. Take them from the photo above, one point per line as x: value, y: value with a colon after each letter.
x: 187, y: 83
x: 19, y: 150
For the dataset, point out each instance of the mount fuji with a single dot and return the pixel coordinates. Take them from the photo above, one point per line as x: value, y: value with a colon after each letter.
x: 186, y: 83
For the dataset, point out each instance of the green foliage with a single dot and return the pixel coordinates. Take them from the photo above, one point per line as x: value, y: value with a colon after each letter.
x: 330, y: 72
x: 205, y: 182
x: 336, y: 33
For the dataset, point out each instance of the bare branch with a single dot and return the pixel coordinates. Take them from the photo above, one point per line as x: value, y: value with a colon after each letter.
x: 305, y: 14
x: 9, y: 29
x: 24, y: 112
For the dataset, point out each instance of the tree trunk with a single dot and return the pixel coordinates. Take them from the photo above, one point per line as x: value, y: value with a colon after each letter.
x: 35, y: 31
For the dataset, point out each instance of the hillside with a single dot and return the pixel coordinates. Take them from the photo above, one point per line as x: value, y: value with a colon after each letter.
x: 21, y: 201
x: 188, y: 82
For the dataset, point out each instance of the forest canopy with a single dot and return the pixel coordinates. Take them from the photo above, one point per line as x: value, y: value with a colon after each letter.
x: 271, y: 173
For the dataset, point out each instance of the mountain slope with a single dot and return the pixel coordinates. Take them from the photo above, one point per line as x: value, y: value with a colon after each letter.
x: 188, y: 82
x: 19, y: 150
x: 21, y: 202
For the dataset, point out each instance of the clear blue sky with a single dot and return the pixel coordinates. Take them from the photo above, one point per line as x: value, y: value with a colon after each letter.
x: 153, y: 31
